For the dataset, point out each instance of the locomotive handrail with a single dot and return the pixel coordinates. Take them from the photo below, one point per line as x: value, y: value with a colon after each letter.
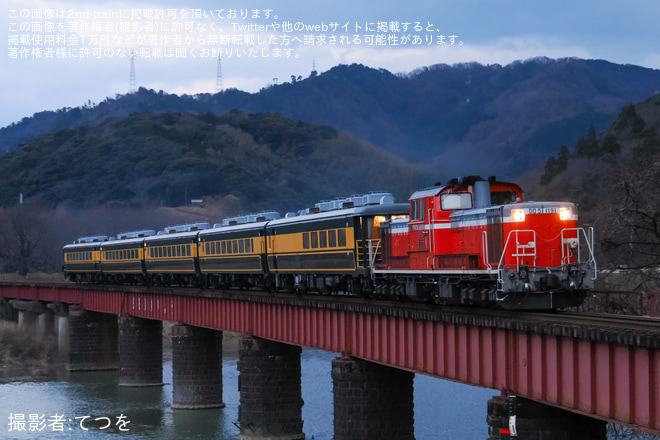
x: 431, y: 233
x: 484, y: 249
x: 500, y: 280
x: 588, y: 239
x: 373, y: 253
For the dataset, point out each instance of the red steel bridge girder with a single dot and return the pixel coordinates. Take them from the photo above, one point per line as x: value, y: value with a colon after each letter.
x: 611, y: 381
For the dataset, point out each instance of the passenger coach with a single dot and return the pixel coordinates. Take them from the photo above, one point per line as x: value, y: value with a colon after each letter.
x: 333, y: 247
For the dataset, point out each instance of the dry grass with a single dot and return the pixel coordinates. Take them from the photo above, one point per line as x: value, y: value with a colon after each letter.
x: 22, y: 347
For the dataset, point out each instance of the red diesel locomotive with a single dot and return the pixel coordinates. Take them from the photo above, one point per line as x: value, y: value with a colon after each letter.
x: 475, y: 241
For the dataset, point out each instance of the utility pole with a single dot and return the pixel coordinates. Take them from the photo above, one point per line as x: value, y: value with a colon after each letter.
x: 219, y: 86
x: 132, y: 82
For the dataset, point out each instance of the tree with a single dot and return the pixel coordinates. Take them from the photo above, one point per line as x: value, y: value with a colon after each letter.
x: 610, y: 145
x: 554, y: 167
x: 25, y: 240
x: 588, y: 147
x: 550, y: 171
x: 631, y: 227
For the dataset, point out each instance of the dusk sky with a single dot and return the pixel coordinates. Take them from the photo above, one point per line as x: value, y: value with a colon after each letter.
x: 71, y: 53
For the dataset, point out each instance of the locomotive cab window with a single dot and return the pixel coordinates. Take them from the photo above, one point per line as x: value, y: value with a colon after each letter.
x: 418, y: 209
x: 453, y: 202
x: 503, y: 197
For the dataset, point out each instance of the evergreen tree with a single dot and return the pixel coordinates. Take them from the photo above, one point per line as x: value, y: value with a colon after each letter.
x: 550, y: 171
x: 562, y: 158
x: 610, y: 145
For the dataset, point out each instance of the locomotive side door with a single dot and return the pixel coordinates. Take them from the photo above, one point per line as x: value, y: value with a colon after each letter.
x: 494, y: 233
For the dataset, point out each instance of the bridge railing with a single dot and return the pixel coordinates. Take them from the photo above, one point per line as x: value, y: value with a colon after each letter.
x: 636, y: 303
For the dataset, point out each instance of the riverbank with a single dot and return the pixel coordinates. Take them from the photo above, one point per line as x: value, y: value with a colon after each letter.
x: 25, y: 356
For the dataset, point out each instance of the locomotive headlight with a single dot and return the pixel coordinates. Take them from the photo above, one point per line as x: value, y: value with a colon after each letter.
x: 564, y: 213
x: 518, y: 215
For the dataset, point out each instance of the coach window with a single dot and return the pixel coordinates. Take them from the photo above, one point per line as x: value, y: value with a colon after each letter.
x: 452, y: 202
x: 188, y: 250
x: 332, y: 238
x: 341, y: 237
x: 305, y: 240
x: 224, y: 247
x: 241, y: 246
x: 323, y: 239
x: 213, y: 248
x: 235, y: 246
x: 248, y: 245
x: 315, y: 239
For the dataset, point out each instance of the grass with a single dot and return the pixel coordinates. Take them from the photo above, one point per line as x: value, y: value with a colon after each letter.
x: 22, y: 347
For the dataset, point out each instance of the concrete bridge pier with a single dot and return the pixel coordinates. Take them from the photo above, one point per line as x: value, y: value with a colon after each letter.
x: 140, y: 352
x: 270, y: 390
x: 35, y: 315
x: 61, y: 325
x: 92, y: 340
x: 196, y: 368
x: 371, y: 401
x: 534, y: 421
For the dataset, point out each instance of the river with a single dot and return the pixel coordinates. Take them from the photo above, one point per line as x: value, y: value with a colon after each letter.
x: 81, y: 405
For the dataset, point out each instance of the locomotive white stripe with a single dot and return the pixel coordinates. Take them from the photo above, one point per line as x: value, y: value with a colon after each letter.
x: 439, y: 272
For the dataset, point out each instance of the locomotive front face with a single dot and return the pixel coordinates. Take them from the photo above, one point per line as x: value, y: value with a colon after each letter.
x: 545, y: 252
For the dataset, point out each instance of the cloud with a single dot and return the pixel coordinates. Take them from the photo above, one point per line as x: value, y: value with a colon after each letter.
x: 652, y: 60
x: 501, y: 33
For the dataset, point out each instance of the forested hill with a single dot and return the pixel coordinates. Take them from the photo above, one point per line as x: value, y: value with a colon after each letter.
x: 263, y: 161
x: 445, y: 116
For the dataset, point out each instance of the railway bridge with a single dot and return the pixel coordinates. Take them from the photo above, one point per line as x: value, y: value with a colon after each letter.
x: 561, y: 375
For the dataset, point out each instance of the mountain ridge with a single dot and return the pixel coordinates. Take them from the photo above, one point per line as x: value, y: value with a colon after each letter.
x: 514, y: 115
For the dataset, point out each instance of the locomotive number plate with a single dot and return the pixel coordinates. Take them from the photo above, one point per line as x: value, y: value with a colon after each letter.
x: 542, y: 210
